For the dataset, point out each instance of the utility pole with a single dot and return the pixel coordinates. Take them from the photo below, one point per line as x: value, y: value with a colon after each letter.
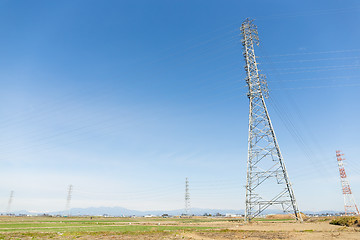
x: 68, y: 200
x: 267, y: 181
x: 9, y: 203
x: 349, y: 201
x: 187, y: 198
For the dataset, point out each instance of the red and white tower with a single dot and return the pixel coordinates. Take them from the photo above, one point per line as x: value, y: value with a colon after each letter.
x: 349, y: 202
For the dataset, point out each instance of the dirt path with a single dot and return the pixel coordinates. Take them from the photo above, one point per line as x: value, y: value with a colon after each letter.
x: 288, y: 226
x: 194, y: 236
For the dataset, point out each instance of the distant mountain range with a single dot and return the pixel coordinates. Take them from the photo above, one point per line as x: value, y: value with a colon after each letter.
x: 120, y: 211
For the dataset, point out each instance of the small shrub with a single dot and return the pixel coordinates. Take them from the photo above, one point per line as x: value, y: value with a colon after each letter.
x: 346, y: 221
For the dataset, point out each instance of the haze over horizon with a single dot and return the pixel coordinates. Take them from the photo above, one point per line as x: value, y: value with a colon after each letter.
x: 125, y: 99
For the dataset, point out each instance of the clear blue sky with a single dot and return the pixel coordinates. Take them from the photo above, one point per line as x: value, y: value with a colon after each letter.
x: 124, y: 99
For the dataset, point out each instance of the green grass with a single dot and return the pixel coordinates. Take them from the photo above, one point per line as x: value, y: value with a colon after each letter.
x: 101, y: 219
x: 83, y: 235
x: 71, y: 225
x: 103, y: 228
x: 43, y: 225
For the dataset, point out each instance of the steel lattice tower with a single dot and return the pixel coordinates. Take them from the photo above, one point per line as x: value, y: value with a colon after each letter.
x: 349, y: 201
x: 187, y: 198
x: 10, y: 202
x: 68, y: 200
x: 267, y: 181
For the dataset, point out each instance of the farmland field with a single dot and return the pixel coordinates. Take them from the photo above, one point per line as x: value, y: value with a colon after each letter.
x: 169, y: 228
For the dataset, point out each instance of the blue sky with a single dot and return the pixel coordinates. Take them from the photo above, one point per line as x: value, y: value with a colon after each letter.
x: 125, y: 99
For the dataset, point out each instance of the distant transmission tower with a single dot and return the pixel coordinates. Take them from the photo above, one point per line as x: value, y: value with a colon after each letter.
x: 267, y: 181
x: 187, y: 198
x: 10, y: 202
x: 349, y: 202
x: 68, y: 200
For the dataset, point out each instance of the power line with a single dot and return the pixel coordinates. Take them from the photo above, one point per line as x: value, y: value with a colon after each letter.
x: 321, y: 70
x: 316, y: 60
x: 313, y: 79
x: 311, y: 53
x: 288, y: 120
x: 319, y: 87
x: 321, y: 67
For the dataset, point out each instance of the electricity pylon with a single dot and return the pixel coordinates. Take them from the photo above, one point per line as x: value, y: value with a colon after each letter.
x: 10, y: 202
x: 349, y: 201
x: 267, y: 181
x: 187, y: 198
x: 68, y: 200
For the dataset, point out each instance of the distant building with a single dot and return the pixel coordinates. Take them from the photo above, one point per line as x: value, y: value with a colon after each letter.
x: 233, y: 215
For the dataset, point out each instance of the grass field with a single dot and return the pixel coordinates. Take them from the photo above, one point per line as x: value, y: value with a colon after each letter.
x: 169, y: 228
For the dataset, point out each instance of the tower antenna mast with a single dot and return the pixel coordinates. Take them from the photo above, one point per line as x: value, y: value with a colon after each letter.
x: 267, y: 181
x: 349, y: 201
